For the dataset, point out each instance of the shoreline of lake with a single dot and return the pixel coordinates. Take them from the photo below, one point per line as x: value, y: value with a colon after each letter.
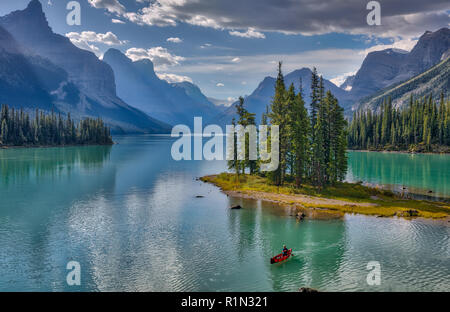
x: 380, y: 203
x: 7, y: 147
x: 401, y: 152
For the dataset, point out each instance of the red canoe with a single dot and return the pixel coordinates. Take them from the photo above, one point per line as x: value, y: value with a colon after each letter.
x: 280, y: 257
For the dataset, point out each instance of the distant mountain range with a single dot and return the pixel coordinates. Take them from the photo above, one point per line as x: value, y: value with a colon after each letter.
x: 433, y: 81
x: 138, y: 84
x: 262, y: 96
x: 381, y: 74
x: 381, y: 69
x: 41, y: 69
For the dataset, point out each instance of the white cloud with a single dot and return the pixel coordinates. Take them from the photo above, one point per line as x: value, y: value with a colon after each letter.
x: 339, y: 80
x: 174, y: 40
x: 293, y: 17
x: 250, y: 33
x: 108, y: 38
x: 200, y: 20
x: 160, y: 56
x: 113, y: 6
x: 253, y: 68
x: 154, y: 15
x: 219, y: 84
x: 223, y: 102
x: 160, y: 13
x: 401, y: 44
x: 236, y: 60
x: 206, y: 45
x: 117, y: 21
x: 86, y: 46
x: 85, y: 40
x: 173, y: 78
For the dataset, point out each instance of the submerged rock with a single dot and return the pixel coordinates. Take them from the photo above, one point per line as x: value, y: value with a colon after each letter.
x: 300, y: 216
x: 307, y: 290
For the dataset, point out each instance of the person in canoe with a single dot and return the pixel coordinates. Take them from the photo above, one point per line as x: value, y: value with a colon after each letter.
x: 284, y: 255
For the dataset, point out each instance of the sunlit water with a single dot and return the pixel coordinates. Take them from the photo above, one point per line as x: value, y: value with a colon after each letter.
x: 129, y: 215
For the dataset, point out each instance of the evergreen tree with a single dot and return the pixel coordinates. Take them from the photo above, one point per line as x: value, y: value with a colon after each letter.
x: 18, y: 129
x: 277, y: 116
x: 421, y: 124
x: 299, y: 135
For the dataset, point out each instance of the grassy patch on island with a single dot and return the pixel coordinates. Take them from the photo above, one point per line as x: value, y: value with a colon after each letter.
x: 342, y: 197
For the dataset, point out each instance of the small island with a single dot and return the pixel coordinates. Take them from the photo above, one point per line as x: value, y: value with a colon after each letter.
x: 333, y: 200
x: 313, y: 155
x: 19, y: 129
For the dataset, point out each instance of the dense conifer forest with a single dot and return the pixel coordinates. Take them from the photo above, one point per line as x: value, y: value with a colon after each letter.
x: 422, y: 126
x: 312, y: 147
x: 18, y: 128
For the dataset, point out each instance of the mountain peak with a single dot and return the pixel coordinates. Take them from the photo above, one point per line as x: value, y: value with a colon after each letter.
x: 435, y: 35
x: 303, y: 70
x: 114, y: 55
x: 111, y: 52
x: 32, y: 18
x: 146, y: 62
x: 34, y: 11
x: 299, y: 73
x: 35, y: 5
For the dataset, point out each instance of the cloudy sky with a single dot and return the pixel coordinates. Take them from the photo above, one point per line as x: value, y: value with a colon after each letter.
x: 227, y: 47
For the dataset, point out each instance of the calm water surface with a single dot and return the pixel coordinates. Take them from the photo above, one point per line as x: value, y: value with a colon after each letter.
x: 422, y: 174
x: 129, y: 215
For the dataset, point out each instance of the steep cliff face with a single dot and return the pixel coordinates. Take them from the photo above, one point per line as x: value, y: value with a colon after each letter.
x: 20, y: 81
x: 58, y: 75
x: 31, y: 30
x: 427, y: 52
x: 433, y: 81
x: 381, y: 69
x: 378, y: 70
x: 138, y: 84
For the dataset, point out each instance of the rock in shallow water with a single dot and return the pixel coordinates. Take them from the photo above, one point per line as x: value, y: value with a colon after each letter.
x: 307, y: 290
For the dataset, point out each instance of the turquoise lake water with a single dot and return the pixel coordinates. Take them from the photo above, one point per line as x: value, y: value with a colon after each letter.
x: 129, y: 215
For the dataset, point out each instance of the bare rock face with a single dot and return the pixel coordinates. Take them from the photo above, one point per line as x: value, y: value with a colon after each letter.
x: 31, y: 30
x: 59, y: 69
x: 174, y: 103
x: 379, y: 69
x: 428, y: 51
x: 445, y: 55
x: 20, y: 76
x: 382, y: 69
x: 432, y: 81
